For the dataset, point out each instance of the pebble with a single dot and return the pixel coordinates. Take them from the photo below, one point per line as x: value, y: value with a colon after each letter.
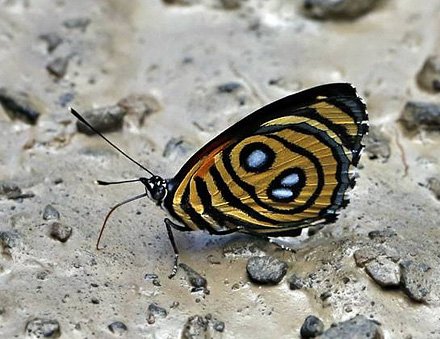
x: 196, y: 327
x: 19, y: 105
x: 50, y: 213
x: 8, y: 240
x: 340, y: 9
x: 295, y: 283
x: 381, y: 236
x: 266, y: 270
x: 154, y: 278
x: 77, y: 23
x: 312, y: 327
x: 117, y: 327
x: 433, y: 185
x: 60, y: 231
x: 58, y: 66
x: 219, y: 326
x: 421, y: 116
x: 43, y: 328
x: 104, y: 119
x: 429, y: 76
x: 154, y: 312
x: 384, y: 271
x: 377, y: 144
x: 52, y: 39
x: 140, y: 106
x: 229, y: 87
x: 358, y: 327
x: 231, y: 4
x: 414, y: 280
x: 9, y: 190
x: 194, y: 278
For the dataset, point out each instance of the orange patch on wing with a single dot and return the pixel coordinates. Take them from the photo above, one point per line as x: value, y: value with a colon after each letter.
x: 209, y: 160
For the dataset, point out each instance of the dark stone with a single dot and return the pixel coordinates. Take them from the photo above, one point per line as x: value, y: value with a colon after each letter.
x: 312, y: 327
x: 231, y: 4
x: 219, y: 326
x: 325, y: 295
x: 194, y: 278
x: 154, y: 278
x: 104, y: 119
x: 295, y: 283
x: 341, y: 9
x: 377, y: 144
x: 196, y: 327
x: 10, y: 190
x: 140, y: 106
x: 384, y: 271
x: 53, y: 40
x: 381, y: 235
x: 95, y: 301
x: 428, y: 77
x: 229, y: 87
x: 154, y: 312
x: 434, y: 186
x: 8, y: 240
x: 421, y: 116
x: 117, y: 327
x: 414, y: 280
x: 50, y: 213
x: 43, y: 328
x: 19, y: 105
x: 77, y: 23
x: 266, y: 270
x: 358, y: 327
x: 58, y: 66
x: 60, y: 231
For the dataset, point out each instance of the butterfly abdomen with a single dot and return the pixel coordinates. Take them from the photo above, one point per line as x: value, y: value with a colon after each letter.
x: 286, y: 166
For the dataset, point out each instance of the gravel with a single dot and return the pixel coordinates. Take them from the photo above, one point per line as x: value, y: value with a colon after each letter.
x: 421, y: 116
x: 428, y: 77
x: 312, y: 327
x: 19, y: 105
x: 358, y: 327
x: 266, y: 270
x: 104, y: 119
x: 43, y: 328
x: 384, y: 271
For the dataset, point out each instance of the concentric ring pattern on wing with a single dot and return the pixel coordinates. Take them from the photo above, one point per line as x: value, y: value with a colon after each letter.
x: 287, y: 169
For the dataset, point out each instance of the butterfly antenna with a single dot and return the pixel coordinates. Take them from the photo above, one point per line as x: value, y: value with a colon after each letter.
x: 110, y: 213
x: 80, y: 118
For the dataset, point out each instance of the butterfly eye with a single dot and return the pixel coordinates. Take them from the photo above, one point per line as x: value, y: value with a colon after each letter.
x: 256, y: 157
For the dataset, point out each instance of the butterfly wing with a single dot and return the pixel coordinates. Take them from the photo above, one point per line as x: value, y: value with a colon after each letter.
x: 283, y: 167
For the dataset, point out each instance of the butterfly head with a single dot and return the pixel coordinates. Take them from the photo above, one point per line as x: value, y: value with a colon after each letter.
x: 156, y: 188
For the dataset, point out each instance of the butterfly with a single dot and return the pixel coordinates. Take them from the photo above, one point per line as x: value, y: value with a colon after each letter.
x: 284, y: 167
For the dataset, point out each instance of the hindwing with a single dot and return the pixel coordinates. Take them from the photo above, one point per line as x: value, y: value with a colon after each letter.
x: 283, y: 167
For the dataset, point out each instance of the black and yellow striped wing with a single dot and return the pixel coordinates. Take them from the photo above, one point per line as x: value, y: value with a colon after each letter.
x: 285, y: 166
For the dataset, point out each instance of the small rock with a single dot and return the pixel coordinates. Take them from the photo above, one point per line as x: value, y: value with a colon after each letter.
x: 384, y: 271
x: 43, y: 328
x: 153, y: 278
x: 19, y: 105
x: 434, y: 186
x: 295, y: 283
x: 266, y: 270
x: 414, y: 280
x: 8, y: 240
x: 58, y: 66
x: 53, y: 40
x: 381, y: 236
x: 377, y: 144
x: 429, y: 76
x: 176, y: 148
x: 358, y: 327
x: 339, y: 9
x: 194, y: 278
x: 10, y: 190
x: 60, y: 231
x: 105, y: 119
x: 229, y: 87
x: 421, y: 116
x: 219, y: 326
x: 140, y: 106
x: 154, y: 312
x: 325, y: 295
x: 117, y: 328
x: 80, y: 23
x: 196, y: 327
x: 312, y: 327
x: 50, y: 213
x: 231, y: 4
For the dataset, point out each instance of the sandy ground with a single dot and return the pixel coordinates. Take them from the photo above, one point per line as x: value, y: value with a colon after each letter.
x: 178, y: 55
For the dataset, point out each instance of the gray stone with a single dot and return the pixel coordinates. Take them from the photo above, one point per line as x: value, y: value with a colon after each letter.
x: 312, y: 327
x: 19, y: 105
x: 194, y: 278
x: 295, y: 283
x: 60, y: 231
x: 219, y: 326
x: 9, y: 190
x: 358, y: 327
x: 104, y: 119
x: 229, y: 87
x: 421, y: 116
x: 433, y: 185
x: 428, y: 77
x: 58, y: 66
x: 50, y: 213
x: 43, y: 328
x: 415, y: 280
x: 117, y: 327
x: 384, y: 271
x: 377, y: 144
x: 339, y: 9
x: 77, y: 23
x: 266, y: 270
x: 8, y: 240
x: 154, y: 312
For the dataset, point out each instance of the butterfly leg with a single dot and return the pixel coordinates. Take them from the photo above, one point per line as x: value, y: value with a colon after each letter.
x: 169, y: 224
